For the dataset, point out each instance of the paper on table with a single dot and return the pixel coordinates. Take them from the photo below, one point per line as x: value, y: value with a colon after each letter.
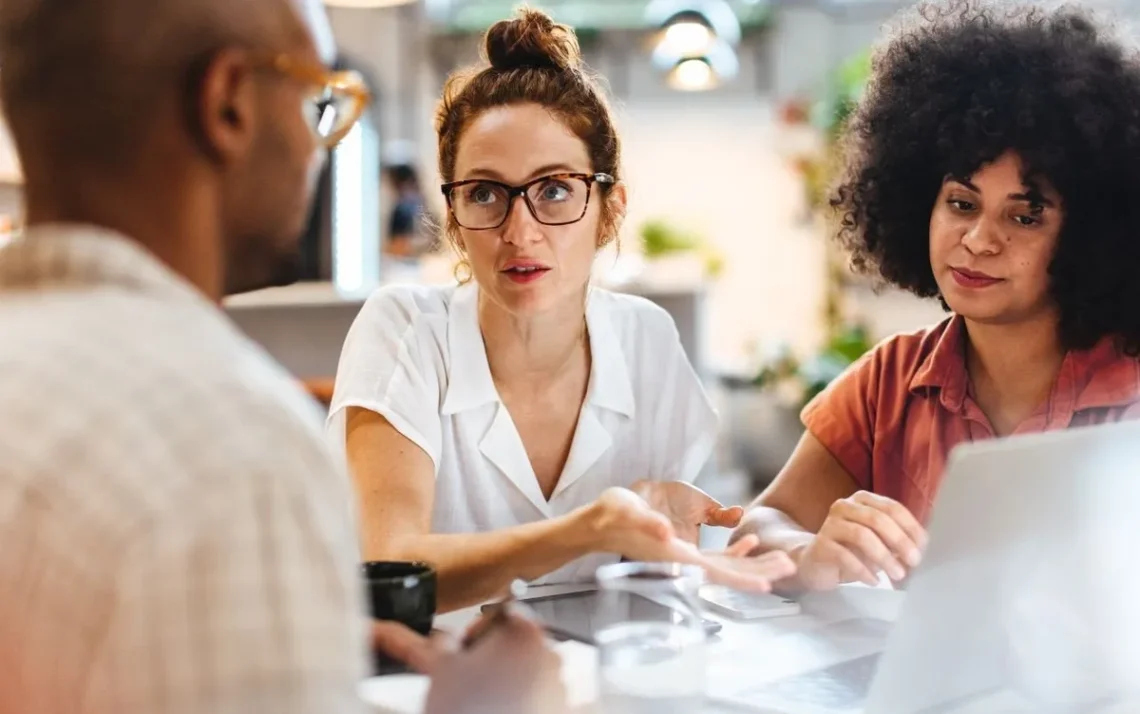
x: 407, y: 693
x: 395, y: 693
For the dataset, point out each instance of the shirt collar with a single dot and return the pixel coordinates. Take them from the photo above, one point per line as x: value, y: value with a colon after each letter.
x: 82, y: 256
x: 469, y: 383
x: 1100, y: 377
x: 469, y: 375
x: 944, y: 367
x: 1096, y: 378
x: 610, y: 385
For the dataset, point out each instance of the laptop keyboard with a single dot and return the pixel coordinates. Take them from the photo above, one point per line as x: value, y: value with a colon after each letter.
x: 838, y: 689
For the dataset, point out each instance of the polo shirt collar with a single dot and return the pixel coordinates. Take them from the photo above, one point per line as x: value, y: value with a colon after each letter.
x: 1100, y: 377
x: 944, y: 367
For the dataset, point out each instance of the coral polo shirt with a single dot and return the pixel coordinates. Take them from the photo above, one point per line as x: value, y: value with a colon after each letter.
x: 893, y: 417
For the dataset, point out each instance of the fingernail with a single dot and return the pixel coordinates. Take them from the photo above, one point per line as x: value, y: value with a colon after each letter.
x: 913, y: 558
x: 897, y: 573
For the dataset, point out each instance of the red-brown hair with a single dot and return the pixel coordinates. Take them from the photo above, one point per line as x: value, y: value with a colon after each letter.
x: 532, y: 59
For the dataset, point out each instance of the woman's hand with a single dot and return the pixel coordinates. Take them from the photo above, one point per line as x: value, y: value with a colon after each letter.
x: 863, y: 535
x: 687, y: 507
x: 622, y: 522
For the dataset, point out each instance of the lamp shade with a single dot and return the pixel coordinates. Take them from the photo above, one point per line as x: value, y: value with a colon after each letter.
x: 692, y: 75
x: 717, y: 15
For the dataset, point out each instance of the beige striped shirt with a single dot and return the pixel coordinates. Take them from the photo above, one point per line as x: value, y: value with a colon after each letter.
x: 174, y: 537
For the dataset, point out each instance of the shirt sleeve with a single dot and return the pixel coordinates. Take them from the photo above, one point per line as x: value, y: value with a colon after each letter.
x: 687, y: 424
x: 242, y: 594
x: 842, y: 416
x: 383, y: 368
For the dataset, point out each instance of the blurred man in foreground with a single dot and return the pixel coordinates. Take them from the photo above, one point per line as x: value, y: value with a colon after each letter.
x: 174, y: 536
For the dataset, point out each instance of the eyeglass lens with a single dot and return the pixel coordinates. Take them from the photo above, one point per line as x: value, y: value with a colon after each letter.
x: 552, y: 201
x: 328, y: 113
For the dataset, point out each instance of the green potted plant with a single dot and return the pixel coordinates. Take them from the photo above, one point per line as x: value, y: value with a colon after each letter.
x: 811, y: 376
x: 675, y: 250
x: 763, y: 419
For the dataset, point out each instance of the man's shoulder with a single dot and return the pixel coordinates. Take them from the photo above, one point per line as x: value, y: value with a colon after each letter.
x: 175, y: 391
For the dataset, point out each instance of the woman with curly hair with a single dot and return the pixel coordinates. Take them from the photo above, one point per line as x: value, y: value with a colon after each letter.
x: 993, y: 163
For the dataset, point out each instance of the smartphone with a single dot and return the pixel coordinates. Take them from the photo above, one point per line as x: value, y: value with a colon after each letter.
x: 570, y: 616
x: 747, y: 606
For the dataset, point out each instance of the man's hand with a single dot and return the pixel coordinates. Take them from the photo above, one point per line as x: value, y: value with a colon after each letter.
x: 405, y: 645
x: 510, y: 670
x: 863, y: 535
x: 687, y: 507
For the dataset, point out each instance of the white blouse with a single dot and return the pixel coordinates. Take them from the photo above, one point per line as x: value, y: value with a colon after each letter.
x: 415, y: 355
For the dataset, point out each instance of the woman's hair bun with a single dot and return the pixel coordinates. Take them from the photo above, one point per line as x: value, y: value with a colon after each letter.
x: 531, y: 40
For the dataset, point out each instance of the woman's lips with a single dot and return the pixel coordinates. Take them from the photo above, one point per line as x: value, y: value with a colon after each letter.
x: 525, y: 274
x: 973, y: 280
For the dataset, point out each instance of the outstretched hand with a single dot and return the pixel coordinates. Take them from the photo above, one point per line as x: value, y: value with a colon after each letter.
x: 628, y: 525
x: 687, y: 507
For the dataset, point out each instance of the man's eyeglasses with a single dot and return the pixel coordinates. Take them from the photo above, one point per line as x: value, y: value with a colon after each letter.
x: 337, y: 101
x: 555, y: 200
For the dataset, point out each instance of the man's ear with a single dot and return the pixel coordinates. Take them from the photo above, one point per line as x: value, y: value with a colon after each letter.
x: 224, y: 107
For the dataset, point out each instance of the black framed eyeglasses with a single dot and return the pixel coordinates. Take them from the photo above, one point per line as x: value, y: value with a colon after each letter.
x: 554, y: 200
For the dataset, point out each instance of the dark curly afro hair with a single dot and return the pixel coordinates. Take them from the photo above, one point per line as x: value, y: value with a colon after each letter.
x: 962, y: 83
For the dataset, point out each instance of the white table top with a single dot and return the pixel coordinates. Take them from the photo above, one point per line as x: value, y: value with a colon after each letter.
x: 743, y: 656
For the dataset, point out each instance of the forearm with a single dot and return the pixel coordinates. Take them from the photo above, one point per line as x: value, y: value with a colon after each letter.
x: 475, y: 567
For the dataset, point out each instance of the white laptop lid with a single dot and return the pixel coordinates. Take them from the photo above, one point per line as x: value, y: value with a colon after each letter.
x: 1029, y: 593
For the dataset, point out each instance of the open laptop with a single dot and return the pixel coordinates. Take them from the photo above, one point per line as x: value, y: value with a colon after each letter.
x: 1028, y: 598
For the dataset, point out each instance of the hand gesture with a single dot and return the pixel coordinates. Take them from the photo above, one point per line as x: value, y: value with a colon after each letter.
x: 626, y: 524
x: 687, y: 507
x: 863, y: 535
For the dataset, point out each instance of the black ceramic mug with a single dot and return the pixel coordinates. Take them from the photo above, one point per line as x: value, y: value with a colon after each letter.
x: 403, y: 592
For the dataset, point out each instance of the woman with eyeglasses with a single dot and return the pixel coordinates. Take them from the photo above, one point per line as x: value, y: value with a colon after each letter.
x: 525, y: 424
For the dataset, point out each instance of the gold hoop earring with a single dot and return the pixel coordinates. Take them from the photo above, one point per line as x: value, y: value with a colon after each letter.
x: 463, y: 272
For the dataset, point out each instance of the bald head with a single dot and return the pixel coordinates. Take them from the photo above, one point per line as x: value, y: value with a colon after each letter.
x: 82, y: 78
x: 188, y: 125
